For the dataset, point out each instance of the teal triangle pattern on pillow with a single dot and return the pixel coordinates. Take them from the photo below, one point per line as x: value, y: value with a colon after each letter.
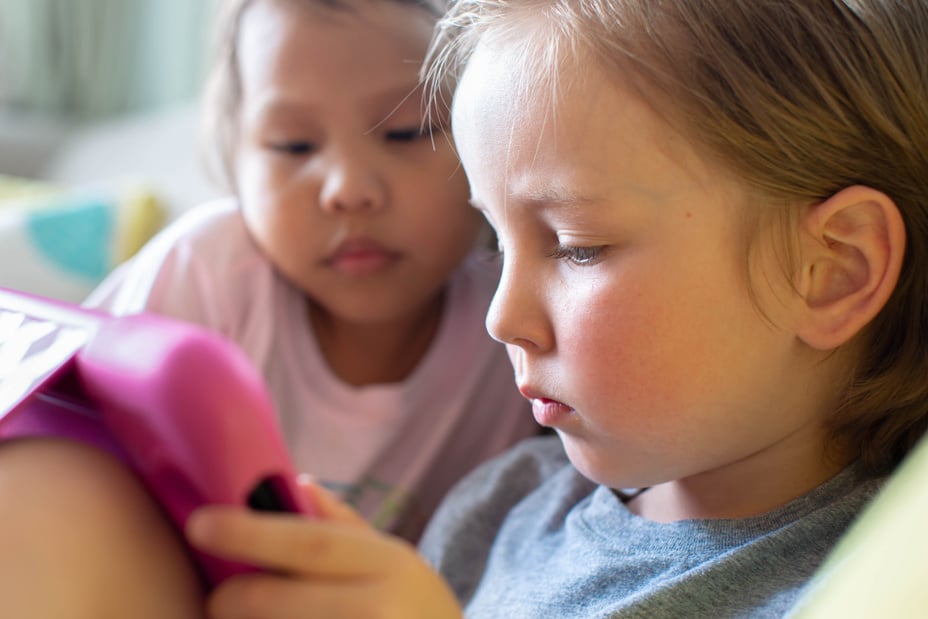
x: 75, y: 235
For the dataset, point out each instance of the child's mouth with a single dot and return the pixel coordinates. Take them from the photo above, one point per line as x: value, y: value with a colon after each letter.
x: 550, y: 413
x: 360, y: 257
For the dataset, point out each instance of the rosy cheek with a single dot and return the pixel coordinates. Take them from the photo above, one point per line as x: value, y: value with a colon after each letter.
x: 624, y: 346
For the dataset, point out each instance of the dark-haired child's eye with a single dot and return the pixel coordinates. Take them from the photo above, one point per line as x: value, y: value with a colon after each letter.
x: 408, y: 135
x: 495, y: 256
x: 296, y: 148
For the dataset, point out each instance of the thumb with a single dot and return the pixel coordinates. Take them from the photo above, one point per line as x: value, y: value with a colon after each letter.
x: 329, y: 506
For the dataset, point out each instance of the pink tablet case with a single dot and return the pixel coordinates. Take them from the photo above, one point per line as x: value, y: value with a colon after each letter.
x: 182, y: 406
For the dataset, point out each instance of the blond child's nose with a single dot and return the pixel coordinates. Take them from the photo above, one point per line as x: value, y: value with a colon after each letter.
x: 515, y: 317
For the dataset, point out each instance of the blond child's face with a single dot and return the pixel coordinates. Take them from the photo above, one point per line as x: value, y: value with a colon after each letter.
x: 624, y: 299
x: 338, y: 186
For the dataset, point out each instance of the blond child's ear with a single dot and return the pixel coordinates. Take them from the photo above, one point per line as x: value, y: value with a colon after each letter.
x: 852, y: 246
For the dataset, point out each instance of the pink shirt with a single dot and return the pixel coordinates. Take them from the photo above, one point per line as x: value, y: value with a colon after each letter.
x: 392, y: 450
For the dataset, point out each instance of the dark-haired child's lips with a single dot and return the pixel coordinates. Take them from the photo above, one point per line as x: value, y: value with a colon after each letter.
x: 360, y: 257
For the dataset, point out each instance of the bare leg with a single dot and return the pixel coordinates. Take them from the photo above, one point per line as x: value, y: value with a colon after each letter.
x: 80, y: 538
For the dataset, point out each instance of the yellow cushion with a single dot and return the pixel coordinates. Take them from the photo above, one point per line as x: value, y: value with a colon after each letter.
x: 880, y: 568
x: 60, y: 242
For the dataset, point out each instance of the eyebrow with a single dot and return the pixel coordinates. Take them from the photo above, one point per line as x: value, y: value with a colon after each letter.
x: 401, y: 102
x: 396, y: 97
x: 546, y: 198
x: 387, y: 101
x: 554, y: 197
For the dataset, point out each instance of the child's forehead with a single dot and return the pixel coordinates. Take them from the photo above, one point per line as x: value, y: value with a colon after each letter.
x: 505, y: 89
x: 300, y: 59
x: 526, y: 87
x: 358, y: 23
x: 509, y: 74
x: 538, y: 69
x: 594, y: 134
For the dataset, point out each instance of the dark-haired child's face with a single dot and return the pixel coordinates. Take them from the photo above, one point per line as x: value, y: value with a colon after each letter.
x: 624, y: 301
x: 340, y: 188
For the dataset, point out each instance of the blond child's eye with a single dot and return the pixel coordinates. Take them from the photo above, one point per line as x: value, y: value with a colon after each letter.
x: 581, y: 256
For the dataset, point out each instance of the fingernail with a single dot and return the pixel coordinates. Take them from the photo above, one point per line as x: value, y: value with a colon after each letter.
x: 305, y: 479
x: 195, y: 527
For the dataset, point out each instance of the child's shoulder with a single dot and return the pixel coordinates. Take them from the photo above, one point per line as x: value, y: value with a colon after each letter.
x: 490, y: 490
x: 495, y: 486
x: 460, y: 536
x: 212, y: 235
x: 194, y: 262
x: 207, y: 223
x: 530, y: 461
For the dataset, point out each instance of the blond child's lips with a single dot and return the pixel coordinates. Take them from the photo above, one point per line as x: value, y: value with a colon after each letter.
x: 550, y: 413
x: 547, y: 412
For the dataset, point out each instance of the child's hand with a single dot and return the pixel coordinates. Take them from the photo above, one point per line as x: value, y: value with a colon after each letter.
x: 333, y: 566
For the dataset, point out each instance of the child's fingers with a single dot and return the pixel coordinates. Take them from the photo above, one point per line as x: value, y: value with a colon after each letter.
x: 295, y: 544
x: 317, y: 567
x: 329, y: 505
x: 272, y: 597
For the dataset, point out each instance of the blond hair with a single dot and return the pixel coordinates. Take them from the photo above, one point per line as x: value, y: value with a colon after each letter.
x: 223, y: 92
x: 800, y: 98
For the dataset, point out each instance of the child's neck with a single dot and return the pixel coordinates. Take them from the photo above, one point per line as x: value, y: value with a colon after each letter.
x: 753, y: 486
x: 375, y: 354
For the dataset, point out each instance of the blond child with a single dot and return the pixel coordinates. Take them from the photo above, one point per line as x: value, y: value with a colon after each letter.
x: 712, y: 218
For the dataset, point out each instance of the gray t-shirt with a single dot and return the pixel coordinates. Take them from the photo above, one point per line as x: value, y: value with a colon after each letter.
x: 527, y: 536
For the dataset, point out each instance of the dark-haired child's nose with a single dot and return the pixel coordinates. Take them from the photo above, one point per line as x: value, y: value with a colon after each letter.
x: 352, y: 188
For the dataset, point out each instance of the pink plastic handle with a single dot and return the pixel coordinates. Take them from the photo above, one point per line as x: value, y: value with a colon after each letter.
x: 182, y: 406
x: 193, y: 415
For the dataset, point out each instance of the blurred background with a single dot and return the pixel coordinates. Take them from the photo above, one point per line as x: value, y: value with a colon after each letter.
x: 99, y: 115
x: 88, y: 59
